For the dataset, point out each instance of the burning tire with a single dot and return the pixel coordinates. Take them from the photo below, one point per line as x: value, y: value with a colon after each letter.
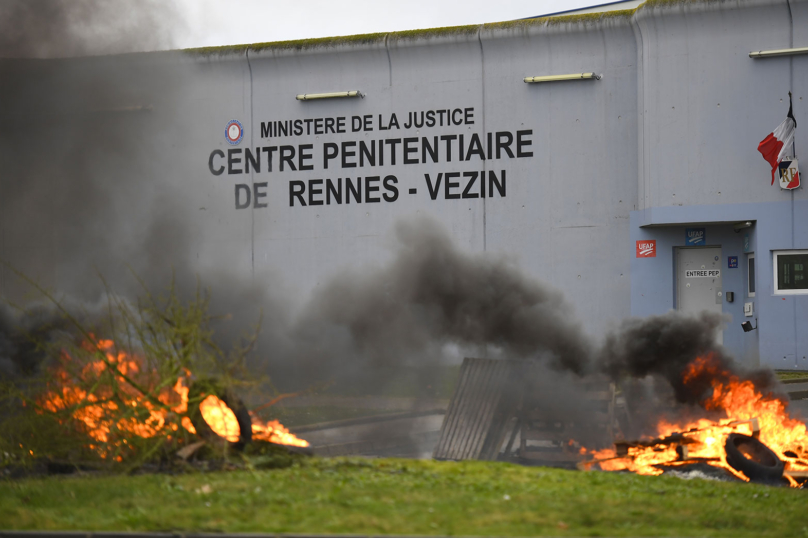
x: 752, y: 458
x: 218, y: 427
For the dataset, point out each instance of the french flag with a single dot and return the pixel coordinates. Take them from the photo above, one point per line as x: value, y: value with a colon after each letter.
x: 778, y: 144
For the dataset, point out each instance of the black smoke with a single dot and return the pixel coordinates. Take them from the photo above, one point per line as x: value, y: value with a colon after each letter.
x: 89, y: 183
x: 429, y: 296
x: 68, y: 28
x: 667, y: 346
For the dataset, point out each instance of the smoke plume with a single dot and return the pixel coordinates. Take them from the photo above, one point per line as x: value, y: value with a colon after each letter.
x: 432, y: 295
x: 64, y: 28
x: 666, y: 345
x: 88, y: 184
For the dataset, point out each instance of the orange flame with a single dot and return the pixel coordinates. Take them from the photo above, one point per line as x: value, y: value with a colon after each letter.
x: 223, y: 422
x: 95, y: 410
x: 274, y: 432
x: 739, y: 402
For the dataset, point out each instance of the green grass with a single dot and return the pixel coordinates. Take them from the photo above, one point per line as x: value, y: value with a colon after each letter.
x: 783, y: 376
x: 406, y: 497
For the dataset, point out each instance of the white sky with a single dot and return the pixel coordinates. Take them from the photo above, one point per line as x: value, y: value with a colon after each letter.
x: 230, y: 22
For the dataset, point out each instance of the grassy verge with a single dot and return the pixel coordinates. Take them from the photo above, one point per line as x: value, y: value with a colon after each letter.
x: 792, y: 376
x: 406, y: 497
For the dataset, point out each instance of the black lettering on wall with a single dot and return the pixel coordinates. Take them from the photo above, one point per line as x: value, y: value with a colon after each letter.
x: 392, y: 142
x: 356, y: 190
x: 330, y: 151
x: 346, y: 153
x: 409, y: 149
x: 232, y: 161
x: 472, y: 179
x: 240, y: 188
x: 432, y: 149
x: 287, y: 155
x: 259, y: 194
x: 521, y: 142
x: 504, y: 141
x: 390, y: 186
x: 468, y: 116
x: 296, y: 190
x: 494, y: 182
x: 370, y: 187
x: 303, y: 156
x: 448, y: 139
x: 475, y: 148
x: 433, y: 191
x: 329, y: 190
x: 451, y: 185
x: 255, y: 160
x: 315, y: 191
x: 215, y: 171
x: 269, y: 150
x: 364, y: 152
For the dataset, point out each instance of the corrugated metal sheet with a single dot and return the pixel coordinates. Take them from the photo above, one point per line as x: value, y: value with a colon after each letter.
x: 474, y: 425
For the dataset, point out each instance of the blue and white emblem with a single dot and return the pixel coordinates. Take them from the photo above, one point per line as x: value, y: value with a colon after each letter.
x: 234, y: 132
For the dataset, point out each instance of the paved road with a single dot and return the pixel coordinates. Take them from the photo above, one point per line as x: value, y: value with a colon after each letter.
x: 410, y: 437
x: 376, y: 403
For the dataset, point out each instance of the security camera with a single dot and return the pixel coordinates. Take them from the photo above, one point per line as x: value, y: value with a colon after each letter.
x: 742, y: 226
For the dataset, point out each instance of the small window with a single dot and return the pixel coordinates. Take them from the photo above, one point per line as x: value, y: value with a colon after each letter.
x: 750, y: 275
x: 790, y: 272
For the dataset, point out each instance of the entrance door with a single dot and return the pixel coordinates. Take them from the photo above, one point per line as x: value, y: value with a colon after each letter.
x: 698, y: 281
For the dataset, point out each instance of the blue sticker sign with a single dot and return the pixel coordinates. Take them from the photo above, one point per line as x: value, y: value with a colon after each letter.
x: 695, y: 236
x: 732, y: 262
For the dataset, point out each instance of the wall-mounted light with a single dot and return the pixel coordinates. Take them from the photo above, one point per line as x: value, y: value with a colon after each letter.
x: 330, y: 95
x: 778, y: 52
x: 747, y: 326
x: 738, y: 226
x: 558, y: 78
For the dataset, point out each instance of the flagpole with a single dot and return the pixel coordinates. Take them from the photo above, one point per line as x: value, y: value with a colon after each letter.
x: 794, y: 138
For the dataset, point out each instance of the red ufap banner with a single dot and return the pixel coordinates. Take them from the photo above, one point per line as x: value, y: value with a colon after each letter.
x: 646, y: 249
